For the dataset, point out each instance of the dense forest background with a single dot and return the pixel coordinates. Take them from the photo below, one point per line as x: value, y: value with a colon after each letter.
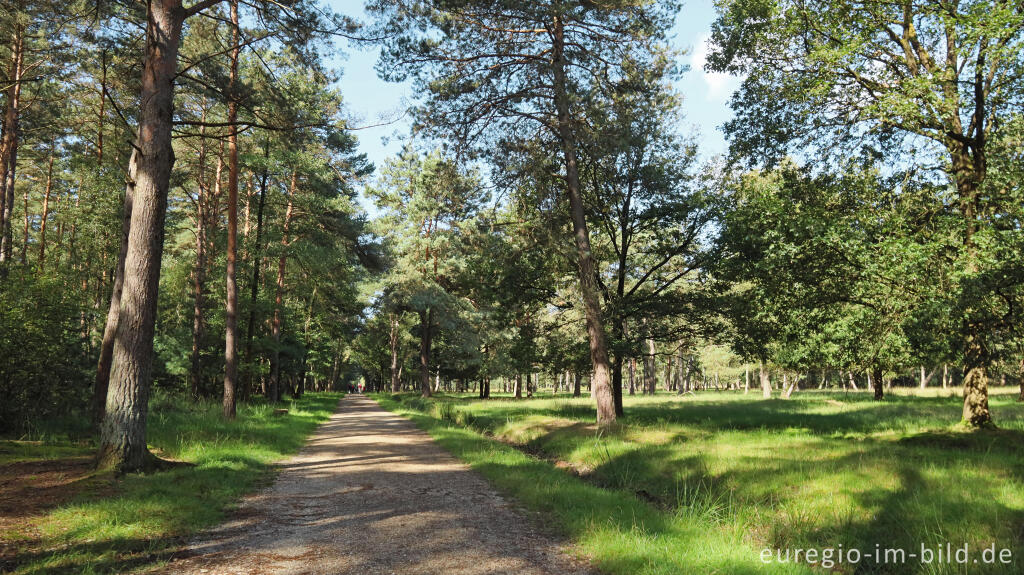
x: 546, y: 224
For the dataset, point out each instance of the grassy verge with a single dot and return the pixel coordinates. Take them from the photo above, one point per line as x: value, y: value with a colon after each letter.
x: 133, y: 522
x: 703, y: 484
x: 616, y: 531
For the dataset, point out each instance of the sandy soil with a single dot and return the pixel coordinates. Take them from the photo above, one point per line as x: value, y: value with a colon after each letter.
x: 372, y: 494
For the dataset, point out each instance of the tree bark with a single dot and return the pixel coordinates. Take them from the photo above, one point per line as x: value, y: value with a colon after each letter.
x: 927, y: 377
x: 257, y: 258
x: 393, y: 342
x: 969, y: 170
x: 231, y: 288
x: 199, y: 279
x: 9, y: 144
x: 123, y: 431
x: 766, y: 383
x: 632, y: 375
x: 601, y: 381
x: 274, y: 388
x: 787, y: 386
x: 976, y: 361
x: 45, y: 213
x: 102, y: 380
x: 426, y: 319
x: 650, y: 375
x: 878, y: 384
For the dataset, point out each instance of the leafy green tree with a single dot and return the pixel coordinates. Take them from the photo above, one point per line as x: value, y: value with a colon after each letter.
x: 427, y: 204
x: 516, y: 70
x: 829, y: 270
x: 934, y: 79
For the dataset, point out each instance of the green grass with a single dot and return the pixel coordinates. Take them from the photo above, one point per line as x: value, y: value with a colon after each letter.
x: 146, y: 515
x: 704, y: 483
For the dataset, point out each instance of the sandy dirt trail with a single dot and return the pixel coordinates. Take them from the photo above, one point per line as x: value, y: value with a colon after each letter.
x: 372, y: 494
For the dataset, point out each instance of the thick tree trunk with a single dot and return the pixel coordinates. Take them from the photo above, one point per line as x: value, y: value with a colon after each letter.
x: 9, y: 144
x: 976, y: 361
x: 601, y: 380
x: 766, y: 383
x: 101, y: 383
x: 969, y: 170
x: 123, y: 431
x: 878, y: 384
x: 426, y: 321
x: 274, y: 388
x: 231, y: 303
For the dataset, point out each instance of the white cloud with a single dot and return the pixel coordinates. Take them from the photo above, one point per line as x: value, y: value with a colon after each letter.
x: 719, y: 86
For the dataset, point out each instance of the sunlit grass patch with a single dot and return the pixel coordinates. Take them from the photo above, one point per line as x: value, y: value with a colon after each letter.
x: 145, y: 516
x: 820, y: 470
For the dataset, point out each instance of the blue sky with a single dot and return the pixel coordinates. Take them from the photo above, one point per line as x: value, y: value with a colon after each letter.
x: 371, y: 100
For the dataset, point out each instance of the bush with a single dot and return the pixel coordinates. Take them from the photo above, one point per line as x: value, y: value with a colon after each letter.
x: 45, y: 367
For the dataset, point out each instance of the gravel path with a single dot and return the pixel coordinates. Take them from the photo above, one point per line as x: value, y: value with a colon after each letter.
x: 372, y: 494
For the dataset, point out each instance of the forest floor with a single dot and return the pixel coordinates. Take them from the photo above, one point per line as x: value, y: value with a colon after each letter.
x: 705, y: 483
x: 372, y: 494
x: 57, y: 515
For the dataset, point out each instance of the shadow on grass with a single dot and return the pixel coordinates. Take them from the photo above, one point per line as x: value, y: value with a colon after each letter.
x: 145, y: 516
x: 616, y: 531
x: 816, y: 488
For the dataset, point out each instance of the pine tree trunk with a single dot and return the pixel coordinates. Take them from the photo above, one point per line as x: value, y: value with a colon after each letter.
x: 393, y: 341
x: 231, y: 304
x: 24, y: 230
x: 123, y: 431
x: 10, y: 142
x: 426, y: 321
x: 257, y: 264
x: 601, y: 380
x: 199, y: 281
x: 274, y: 387
x: 45, y: 213
x: 102, y: 381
